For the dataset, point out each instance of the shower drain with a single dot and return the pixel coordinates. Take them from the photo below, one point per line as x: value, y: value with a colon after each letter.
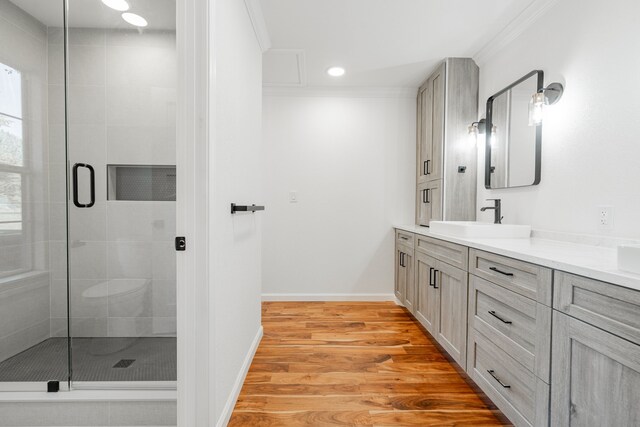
x: 124, y: 363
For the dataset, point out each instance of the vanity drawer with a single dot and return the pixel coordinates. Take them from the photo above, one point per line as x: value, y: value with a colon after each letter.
x: 526, y: 279
x: 613, y: 308
x: 452, y: 254
x: 404, y: 238
x: 522, y: 397
x: 518, y: 325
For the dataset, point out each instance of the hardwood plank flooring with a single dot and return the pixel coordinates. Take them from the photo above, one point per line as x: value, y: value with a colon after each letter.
x: 354, y: 364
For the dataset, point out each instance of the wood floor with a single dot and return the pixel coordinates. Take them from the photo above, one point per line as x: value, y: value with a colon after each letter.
x: 353, y: 364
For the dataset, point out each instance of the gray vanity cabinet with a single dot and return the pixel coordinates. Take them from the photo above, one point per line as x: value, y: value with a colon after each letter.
x: 447, y: 104
x: 404, y: 269
x: 441, y: 304
x: 452, y: 286
x: 427, y: 302
x: 596, y: 376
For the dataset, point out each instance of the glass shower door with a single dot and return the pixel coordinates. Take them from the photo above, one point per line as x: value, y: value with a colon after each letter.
x: 33, y: 269
x: 121, y: 140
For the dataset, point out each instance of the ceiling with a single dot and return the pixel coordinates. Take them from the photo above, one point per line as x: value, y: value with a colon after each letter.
x: 388, y: 43
x: 160, y: 14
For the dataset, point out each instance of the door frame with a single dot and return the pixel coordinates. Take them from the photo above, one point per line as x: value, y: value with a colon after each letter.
x: 196, y: 53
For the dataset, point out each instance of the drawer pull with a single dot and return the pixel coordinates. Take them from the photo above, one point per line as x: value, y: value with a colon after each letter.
x: 491, y: 372
x: 499, y: 271
x: 404, y: 237
x: 493, y: 313
x: 431, y: 269
x: 435, y: 279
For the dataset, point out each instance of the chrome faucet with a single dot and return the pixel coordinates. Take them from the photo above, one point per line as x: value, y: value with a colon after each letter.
x: 497, y: 210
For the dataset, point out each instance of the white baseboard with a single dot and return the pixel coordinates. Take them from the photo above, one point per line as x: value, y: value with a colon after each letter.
x: 237, y: 386
x: 328, y: 297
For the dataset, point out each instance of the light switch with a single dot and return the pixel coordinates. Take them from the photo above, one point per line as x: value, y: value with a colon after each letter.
x: 293, y: 197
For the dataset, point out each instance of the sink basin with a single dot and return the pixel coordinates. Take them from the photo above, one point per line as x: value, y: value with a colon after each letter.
x: 480, y: 230
x: 629, y: 258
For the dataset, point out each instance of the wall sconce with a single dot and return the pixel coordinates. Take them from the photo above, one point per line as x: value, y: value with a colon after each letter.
x: 475, y: 129
x: 546, y: 96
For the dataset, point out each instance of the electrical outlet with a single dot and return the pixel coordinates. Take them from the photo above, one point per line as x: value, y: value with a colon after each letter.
x: 293, y: 197
x: 605, y: 217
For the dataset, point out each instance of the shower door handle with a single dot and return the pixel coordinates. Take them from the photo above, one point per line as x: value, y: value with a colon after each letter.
x: 92, y: 184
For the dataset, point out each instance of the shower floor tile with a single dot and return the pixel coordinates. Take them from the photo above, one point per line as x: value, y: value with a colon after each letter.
x: 95, y: 359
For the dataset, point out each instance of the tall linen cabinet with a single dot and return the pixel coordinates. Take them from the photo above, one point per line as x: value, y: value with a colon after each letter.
x: 446, y: 155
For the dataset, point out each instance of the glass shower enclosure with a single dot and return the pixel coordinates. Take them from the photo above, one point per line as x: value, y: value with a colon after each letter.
x: 87, y: 193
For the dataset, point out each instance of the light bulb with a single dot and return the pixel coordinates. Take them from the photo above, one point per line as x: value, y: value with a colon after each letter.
x: 473, y: 134
x: 536, y: 108
x: 494, y: 136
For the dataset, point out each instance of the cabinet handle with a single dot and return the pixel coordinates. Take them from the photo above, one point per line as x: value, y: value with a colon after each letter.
x: 499, y: 271
x: 401, y: 259
x: 428, y: 194
x: 404, y: 237
x: 491, y: 372
x: 426, y: 165
x: 493, y: 313
x: 435, y: 279
x: 431, y: 276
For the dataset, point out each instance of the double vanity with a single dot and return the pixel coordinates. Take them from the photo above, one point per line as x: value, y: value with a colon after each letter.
x: 549, y: 330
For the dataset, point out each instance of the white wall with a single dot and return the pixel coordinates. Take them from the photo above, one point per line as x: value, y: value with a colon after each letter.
x: 236, y: 164
x: 351, y: 160
x: 590, y: 144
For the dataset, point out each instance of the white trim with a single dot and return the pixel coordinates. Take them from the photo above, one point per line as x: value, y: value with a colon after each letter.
x: 302, y: 68
x: 342, y: 91
x: 328, y: 297
x: 194, y: 25
x: 259, y: 25
x: 90, y: 396
x: 237, y: 386
x: 530, y: 15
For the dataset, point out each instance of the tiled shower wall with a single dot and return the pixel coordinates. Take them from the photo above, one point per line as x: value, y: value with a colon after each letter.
x: 121, y: 111
x: 24, y: 277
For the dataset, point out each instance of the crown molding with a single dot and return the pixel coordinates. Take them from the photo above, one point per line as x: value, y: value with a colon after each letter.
x: 341, y: 92
x: 529, y: 16
x: 259, y: 25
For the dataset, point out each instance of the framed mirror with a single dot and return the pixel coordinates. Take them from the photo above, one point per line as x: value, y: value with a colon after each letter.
x: 513, y: 147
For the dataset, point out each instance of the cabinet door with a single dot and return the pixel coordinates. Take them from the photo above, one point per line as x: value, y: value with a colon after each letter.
x: 429, y: 202
x: 434, y: 199
x: 427, y: 295
x: 423, y: 123
x: 452, y: 284
x: 595, y: 376
x: 409, y: 282
x: 401, y: 276
x: 423, y: 204
x: 436, y: 130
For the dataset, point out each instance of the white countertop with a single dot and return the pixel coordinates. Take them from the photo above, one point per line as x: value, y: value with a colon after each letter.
x: 595, y: 262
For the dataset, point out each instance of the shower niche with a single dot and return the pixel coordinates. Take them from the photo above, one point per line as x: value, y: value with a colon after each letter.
x: 147, y: 183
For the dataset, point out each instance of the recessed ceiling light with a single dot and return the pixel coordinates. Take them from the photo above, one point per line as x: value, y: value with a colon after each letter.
x: 120, y: 5
x: 134, y: 19
x: 335, y: 71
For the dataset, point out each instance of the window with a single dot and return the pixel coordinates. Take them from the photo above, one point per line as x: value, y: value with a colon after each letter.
x: 12, y: 167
